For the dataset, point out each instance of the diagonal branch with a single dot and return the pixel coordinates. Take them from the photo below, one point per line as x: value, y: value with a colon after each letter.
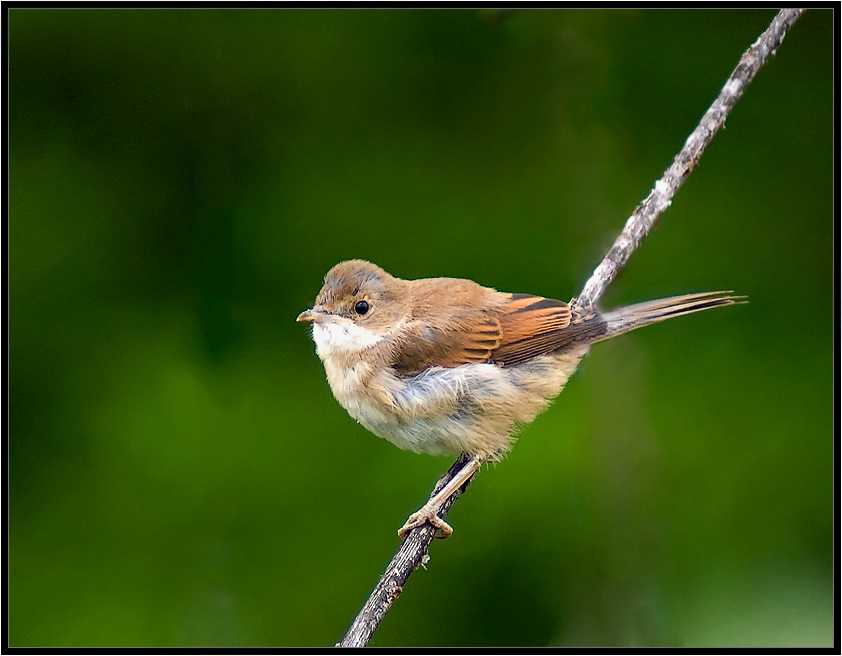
x: 659, y: 199
x: 413, y: 552
x: 411, y: 555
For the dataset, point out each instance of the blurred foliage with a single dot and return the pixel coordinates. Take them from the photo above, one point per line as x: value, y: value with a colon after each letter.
x: 180, y: 181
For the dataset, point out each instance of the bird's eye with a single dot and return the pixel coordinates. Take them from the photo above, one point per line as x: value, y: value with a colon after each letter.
x: 361, y: 307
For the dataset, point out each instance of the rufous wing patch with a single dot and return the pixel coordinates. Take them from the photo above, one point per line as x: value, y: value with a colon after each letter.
x: 534, y: 325
x: 435, y: 347
x: 473, y: 343
x: 525, y: 326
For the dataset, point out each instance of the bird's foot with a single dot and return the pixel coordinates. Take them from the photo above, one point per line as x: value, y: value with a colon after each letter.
x: 427, y: 515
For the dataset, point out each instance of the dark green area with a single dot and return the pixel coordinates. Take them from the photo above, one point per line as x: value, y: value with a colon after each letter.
x: 181, y: 180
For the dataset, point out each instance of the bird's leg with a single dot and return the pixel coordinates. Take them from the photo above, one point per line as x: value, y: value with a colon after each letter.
x: 428, y: 513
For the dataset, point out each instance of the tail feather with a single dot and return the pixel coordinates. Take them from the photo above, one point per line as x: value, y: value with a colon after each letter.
x: 642, y: 314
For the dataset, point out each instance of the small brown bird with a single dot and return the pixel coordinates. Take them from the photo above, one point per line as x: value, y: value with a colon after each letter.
x: 443, y: 365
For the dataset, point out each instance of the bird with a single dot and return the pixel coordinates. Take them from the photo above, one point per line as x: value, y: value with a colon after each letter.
x: 448, y: 366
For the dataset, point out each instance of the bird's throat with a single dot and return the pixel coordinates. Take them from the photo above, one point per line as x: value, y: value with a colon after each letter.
x: 342, y: 338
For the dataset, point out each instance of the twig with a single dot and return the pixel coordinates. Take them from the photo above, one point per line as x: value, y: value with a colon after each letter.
x: 409, y: 557
x: 646, y: 214
x: 413, y: 552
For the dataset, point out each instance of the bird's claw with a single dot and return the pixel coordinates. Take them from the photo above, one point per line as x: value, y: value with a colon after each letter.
x: 426, y: 516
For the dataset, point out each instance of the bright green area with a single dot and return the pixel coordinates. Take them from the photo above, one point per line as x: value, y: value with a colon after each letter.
x: 180, y: 181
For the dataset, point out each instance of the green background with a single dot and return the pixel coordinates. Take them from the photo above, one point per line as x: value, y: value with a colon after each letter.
x: 181, y: 180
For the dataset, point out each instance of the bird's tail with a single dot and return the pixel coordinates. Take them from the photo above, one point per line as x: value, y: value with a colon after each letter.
x: 642, y: 314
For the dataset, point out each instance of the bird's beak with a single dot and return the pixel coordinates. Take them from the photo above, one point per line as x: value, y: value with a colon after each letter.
x: 311, y: 316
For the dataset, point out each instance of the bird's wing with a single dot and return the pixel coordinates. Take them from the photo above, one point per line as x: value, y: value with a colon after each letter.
x: 426, y: 346
x: 534, y: 325
x: 524, y: 326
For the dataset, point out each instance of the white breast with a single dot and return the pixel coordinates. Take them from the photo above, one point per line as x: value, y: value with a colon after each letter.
x: 474, y: 408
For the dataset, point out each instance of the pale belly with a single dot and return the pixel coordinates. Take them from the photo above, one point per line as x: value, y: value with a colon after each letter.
x: 473, y: 408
